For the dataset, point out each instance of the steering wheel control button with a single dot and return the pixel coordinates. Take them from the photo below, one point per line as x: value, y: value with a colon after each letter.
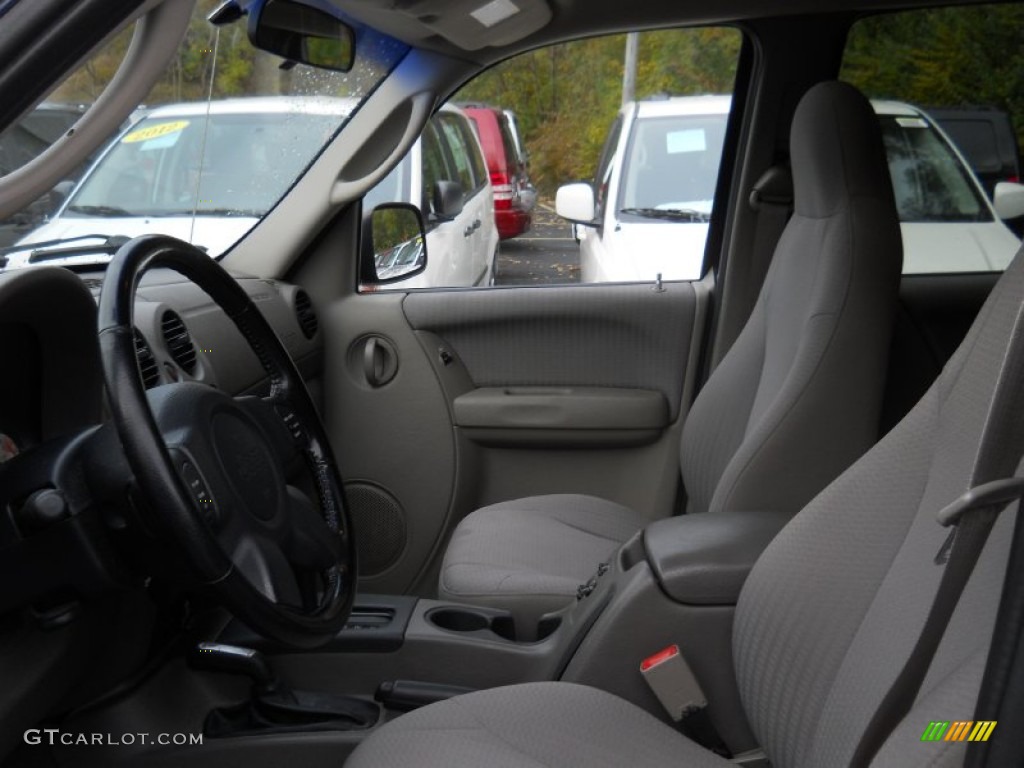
x: 199, y: 491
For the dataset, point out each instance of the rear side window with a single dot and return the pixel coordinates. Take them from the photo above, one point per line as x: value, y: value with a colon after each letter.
x: 509, y: 145
x: 564, y: 99
x: 476, y: 160
x: 915, y: 67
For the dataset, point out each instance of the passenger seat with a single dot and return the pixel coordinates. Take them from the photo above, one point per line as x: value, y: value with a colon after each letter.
x: 793, y: 403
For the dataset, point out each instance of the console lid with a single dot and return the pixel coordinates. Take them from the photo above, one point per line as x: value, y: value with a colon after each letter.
x: 704, y: 559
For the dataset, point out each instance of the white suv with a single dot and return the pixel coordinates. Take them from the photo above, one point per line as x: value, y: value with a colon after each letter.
x: 647, y: 212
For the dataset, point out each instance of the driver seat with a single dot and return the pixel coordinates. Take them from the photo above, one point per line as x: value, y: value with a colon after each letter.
x: 826, y: 619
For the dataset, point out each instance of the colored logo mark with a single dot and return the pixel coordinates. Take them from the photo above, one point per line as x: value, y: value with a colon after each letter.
x: 959, y: 730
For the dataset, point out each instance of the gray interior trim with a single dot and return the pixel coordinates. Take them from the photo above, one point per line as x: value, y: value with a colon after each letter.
x: 561, y: 408
x: 704, y: 559
x: 624, y: 336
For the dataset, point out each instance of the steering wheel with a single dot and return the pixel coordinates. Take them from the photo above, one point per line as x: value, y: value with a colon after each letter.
x: 213, y: 469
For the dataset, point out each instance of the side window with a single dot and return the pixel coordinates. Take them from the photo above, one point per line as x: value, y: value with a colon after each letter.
x: 947, y: 194
x: 460, y: 152
x: 476, y: 160
x: 434, y: 169
x: 509, y: 146
x: 604, y: 164
x: 562, y: 100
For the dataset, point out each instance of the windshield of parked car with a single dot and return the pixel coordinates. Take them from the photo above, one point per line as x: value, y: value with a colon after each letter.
x: 671, y: 164
x: 930, y: 181
x: 220, y: 139
x: 214, y: 165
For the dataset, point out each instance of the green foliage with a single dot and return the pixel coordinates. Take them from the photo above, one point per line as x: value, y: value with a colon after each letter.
x: 566, y: 96
x: 946, y: 57
x: 188, y: 75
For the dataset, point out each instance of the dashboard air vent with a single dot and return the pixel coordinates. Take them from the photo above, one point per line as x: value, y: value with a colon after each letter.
x: 148, y: 369
x: 179, y: 343
x: 305, y: 314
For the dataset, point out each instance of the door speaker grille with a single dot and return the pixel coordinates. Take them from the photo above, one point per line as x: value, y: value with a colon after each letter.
x: 379, y: 524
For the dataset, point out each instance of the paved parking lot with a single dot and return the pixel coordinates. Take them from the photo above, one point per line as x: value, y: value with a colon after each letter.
x: 546, y: 254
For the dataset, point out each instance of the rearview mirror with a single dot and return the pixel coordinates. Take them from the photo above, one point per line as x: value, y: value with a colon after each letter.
x: 303, y: 31
x: 394, y: 244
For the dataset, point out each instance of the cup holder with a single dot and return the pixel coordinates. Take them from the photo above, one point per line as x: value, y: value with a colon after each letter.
x: 501, y: 624
x: 458, y: 620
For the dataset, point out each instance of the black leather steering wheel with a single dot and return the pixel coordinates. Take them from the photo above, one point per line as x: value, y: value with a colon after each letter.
x: 212, y: 468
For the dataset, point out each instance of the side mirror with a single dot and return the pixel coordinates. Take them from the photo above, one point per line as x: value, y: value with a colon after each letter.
x: 1009, y: 200
x: 394, y: 245
x: 305, y: 31
x: 575, y: 202
x: 448, y: 199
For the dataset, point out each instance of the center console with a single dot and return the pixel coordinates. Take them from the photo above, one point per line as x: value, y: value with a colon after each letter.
x: 675, y: 583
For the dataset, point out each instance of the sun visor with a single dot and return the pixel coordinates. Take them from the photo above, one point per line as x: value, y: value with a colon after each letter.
x: 468, y: 24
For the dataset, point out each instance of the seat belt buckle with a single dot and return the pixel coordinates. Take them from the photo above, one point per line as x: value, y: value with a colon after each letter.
x: 673, y: 682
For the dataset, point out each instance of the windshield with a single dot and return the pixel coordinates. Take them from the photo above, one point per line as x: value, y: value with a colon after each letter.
x: 930, y: 181
x: 221, y: 137
x: 217, y: 165
x: 672, y: 164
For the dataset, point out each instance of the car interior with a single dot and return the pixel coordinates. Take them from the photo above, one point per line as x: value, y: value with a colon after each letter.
x: 255, y: 510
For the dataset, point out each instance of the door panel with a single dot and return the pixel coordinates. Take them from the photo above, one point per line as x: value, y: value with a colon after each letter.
x: 503, y: 393
x: 630, y: 336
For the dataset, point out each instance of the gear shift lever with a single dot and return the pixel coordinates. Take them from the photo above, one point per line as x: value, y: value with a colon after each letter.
x: 235, y: 660
x: 274, y: 706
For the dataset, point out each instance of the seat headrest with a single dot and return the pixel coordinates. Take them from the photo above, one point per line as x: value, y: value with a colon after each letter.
x: 836, y: 150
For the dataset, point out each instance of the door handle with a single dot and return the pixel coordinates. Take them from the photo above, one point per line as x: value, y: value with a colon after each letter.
x: 380, y: 363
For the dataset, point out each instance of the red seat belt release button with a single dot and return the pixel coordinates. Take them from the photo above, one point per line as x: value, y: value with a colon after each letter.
x: 672, y: 681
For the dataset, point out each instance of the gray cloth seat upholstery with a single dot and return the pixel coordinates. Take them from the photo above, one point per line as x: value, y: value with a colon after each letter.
x: 795, y: 400
x: 537, y: 548
x: 535, y: 724
x: 826, y: 619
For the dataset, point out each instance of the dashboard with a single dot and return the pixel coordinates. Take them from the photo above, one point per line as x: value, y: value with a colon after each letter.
x: 64, y: 598
x: 52, y: 382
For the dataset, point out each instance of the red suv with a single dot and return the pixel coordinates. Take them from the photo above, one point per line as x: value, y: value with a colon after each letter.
x: 512, y: 209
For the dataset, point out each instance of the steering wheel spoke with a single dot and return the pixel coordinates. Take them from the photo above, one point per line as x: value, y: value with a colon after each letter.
x: 311, y: 544
x: 267, y: 568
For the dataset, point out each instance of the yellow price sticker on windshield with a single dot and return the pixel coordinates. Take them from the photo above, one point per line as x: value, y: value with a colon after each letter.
x: 155, y: 131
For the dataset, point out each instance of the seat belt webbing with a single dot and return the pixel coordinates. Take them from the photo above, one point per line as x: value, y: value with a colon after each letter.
x: 974, y: 514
